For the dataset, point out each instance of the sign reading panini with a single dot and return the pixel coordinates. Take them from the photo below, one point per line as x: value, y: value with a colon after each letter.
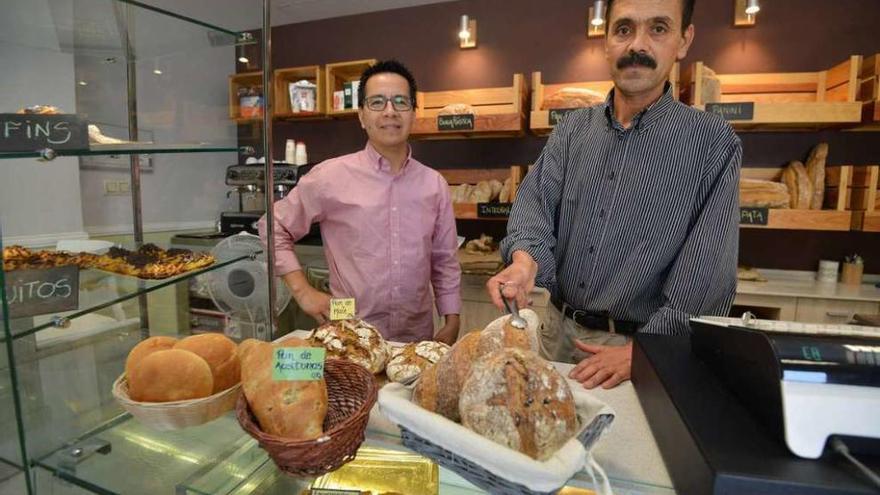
x: 42, y: 291
x: 753, y: 216
x: 32, y: 132
x: 556, y: 115
x: 463, y: 122
x: 298, y: 363
x: 733, y: 111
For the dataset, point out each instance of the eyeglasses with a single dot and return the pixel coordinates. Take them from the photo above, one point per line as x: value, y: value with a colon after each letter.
x: 400, y: 103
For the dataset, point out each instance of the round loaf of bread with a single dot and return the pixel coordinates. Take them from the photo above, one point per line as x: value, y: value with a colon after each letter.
x: 516, y: 399
x: 146, y: 347
x: 409, y: 361
x: 170, y: 375
x: 218, y: 351
x: 354, y: 340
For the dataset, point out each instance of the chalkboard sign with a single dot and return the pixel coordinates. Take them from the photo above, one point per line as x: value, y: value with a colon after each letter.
x: 556, y: 115
x: 753, y: 216
x: 493, y: 210
x: 733, y: 111
x: 463, y: 122
x: 37, y: 292
x: 32, y: 132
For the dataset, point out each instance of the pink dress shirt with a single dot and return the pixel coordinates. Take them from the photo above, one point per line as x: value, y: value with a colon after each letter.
x: 388, y: 239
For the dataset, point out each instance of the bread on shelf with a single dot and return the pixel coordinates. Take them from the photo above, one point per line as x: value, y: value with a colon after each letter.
x: 170, y: 375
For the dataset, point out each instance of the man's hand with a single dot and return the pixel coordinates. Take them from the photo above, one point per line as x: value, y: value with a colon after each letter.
x: 448, y: 333
x: 518, y: 281
x: 608, y: 366
x: 314, y: 302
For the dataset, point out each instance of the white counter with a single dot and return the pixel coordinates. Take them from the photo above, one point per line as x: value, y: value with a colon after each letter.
x: 803, y: 284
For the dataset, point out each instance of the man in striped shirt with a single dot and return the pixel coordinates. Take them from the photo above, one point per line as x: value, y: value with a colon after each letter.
x: 630, y: 215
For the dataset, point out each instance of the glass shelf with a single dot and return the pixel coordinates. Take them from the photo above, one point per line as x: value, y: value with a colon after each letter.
x: 127, y: 149
x: 100, y: 290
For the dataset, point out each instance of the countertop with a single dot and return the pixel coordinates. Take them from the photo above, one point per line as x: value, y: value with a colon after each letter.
x: 803, y: 284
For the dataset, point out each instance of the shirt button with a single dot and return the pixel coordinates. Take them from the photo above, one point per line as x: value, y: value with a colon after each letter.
x: 611, y: 175
x: 581, y: 285
x: 602, y: 213
x: 393, y: 208
x: 395, y: 262
x: 591, y: 250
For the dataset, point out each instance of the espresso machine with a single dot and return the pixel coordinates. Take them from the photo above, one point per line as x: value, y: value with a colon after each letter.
x: 247, y: 184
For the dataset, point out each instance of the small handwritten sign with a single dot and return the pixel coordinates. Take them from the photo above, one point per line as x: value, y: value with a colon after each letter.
x: 37, y: 292
x: 753, y: 216
x: 557, y: 114
x: 31, y: 132
x: 342, y: 309
x: 733, y: 111
x: 493, y: 210
x: 298, y: 363
x: 463, y: 122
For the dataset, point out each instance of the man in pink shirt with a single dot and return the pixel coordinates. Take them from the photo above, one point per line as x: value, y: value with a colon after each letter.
x: 386, y: 222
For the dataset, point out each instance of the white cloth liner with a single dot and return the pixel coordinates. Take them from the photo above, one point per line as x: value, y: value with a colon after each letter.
x: 395, y: 402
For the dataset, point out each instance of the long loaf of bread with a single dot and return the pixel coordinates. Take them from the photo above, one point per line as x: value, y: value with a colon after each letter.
x: 763, y: 194
x: 816, y: 171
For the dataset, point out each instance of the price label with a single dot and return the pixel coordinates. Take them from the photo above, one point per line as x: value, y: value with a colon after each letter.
x: 342, y: 308
x: 462, y: 122
x: 753, y: 216
x: 733, y: 111
x: 557, y: 114
x: 493, y: 210
x: 298, y: 363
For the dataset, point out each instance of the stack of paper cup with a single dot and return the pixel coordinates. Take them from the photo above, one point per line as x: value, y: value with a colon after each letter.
x: 301, y: 157
x: 828, y: 271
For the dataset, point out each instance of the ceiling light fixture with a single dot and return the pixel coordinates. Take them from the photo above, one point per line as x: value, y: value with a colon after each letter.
x: 752, y: 7
x: 745, y: 12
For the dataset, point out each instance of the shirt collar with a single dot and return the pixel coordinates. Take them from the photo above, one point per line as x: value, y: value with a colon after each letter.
x: 380, y: 162
x: 647, y: 117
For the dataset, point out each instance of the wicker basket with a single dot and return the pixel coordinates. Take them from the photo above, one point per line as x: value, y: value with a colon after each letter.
x: 351, y: 392
x: 178, y: 414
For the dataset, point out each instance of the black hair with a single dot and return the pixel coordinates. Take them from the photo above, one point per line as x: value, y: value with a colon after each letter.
x: 383, y: 67
x: 687, y: 13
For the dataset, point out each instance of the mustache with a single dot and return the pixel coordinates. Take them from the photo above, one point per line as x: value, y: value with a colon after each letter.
x: 636, y: 58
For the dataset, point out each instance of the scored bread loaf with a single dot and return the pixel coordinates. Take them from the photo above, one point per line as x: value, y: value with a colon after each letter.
x: 497, y: 186
x: 816, y: 172
x: 146, y: 347
x: 409, y: 361
x: 354, y: 340
x: 798, y: 181
x: 219, y: 351
x: 516, y: 399
x: 572, y: 97
x: 763, y: 194
x: 711, y: 86
x: 482, y: 193
x: 504, y: 195
x: 170, y: 375
x: 457, y: 109
x: 292, y: 409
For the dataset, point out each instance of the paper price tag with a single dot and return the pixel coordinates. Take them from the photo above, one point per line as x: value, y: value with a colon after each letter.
x: 342, y: 309
x: 298, y: 363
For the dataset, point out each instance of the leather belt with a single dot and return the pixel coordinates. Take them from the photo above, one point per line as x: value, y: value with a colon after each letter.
x: 596, y: 320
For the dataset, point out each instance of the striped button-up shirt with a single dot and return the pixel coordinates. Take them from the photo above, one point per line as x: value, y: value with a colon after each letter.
x: 639, y: 222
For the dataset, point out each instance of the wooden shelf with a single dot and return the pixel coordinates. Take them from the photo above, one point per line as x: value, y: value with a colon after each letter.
x: 865, y: 189
x: 469, y: 211
x: 869, y: 90
x: 499, y: 112
x: 782, y: 101
x: 540, y: 122
x: 284, y: 77
x: 237, y: 81
x: 336, y: 75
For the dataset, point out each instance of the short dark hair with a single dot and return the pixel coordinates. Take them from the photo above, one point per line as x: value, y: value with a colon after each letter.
x: 383, y: 67
x: 687, y: 12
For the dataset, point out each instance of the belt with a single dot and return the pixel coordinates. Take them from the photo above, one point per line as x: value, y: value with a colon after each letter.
x: 596, y: 320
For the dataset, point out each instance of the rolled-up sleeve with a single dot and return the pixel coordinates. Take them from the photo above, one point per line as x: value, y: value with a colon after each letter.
x: 445, y: 268
x: 294, y: 216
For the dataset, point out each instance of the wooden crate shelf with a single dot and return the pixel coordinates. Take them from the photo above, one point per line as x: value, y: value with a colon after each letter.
x: 783, y: 101
x: 282, y: 104
x: 469, y: 211
x: 237, y: 81
x: 336, y: 75
x: 539, y: 120
x: 869, y: 90
x: 835, y: 219
x: 499, y: 112
x: 866, y: 200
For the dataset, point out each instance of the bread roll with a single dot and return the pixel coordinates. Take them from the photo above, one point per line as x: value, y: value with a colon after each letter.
x: 218, y: 351
x: 146, y: 347
x: 482, y: 193
x: 516, y: 399
x: 425, y: 392
x: 457, y: 109
x: 572, y: 98
x: 711, y: 86
x: 497, y: 186
x: 816, y: 172
x: 504, y: 195
x: 289, y: 409
x: 170, y: 375
x: 354, y: 340
x: 799, y: 187
x: 763, y: 194
x: 409, y: 361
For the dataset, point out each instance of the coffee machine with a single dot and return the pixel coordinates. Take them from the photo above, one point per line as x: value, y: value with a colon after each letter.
x: 248, y: 183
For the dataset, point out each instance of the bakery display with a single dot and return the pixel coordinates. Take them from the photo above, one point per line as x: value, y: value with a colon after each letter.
x: 763, y: 194
x: 485, y: 191
x: 408, y: 362
x: 149, y: 261
x: 291, y: 409
x: 572, y: 97
x: 219, y: 351
x: 170, y: 375
x: 354, y: 340
x: 516, y: 399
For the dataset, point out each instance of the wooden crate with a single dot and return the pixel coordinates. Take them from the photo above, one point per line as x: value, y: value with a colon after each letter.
x: 468, y: 211
x: 780, y: 101
x: 237, y: 81
x: 869, y: 89
x: 500, y: 112
x: 336, y: 75
x: 540, y: 121
x: 283, y: 77
x: 867, y: 215
x: 837, y: 219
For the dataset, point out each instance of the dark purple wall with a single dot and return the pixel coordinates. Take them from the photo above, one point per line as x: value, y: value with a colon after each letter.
x: 548, y: 35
